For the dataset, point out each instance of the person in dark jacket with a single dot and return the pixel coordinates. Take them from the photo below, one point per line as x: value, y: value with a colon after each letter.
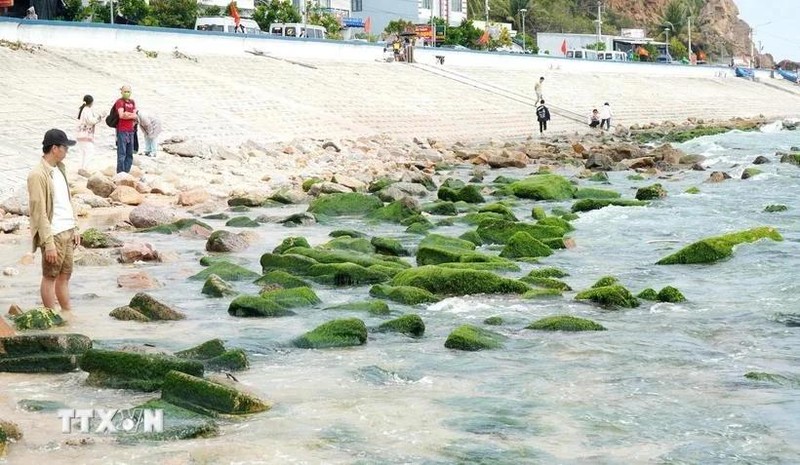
x: 543, y: 115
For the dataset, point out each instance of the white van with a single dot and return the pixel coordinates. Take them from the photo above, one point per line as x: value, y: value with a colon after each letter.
x: 297, y: 30
x: 612, y: 56
x: 582, y: 54
x: 226, y: 24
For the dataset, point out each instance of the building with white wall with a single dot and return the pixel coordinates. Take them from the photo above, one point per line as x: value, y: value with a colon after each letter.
x: 381, y: 12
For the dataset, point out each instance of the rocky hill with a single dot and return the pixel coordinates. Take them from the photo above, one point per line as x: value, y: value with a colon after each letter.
x: 717, y: 27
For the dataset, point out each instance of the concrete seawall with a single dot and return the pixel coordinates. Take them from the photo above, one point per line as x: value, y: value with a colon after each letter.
x: 322, y: 89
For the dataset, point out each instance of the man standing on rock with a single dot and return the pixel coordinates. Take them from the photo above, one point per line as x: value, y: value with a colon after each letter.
x: 126, y: 108
x: 538, y: 89
x: 52, y: 218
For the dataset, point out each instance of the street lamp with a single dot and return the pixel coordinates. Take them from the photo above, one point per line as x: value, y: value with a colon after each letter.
x: 667, y: 26
x: 522, y: 12
x: 752, y: 44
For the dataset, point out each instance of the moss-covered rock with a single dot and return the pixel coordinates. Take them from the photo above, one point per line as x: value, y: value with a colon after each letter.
x: 373, y: 307
x: 653, y: 192
x: 344, y: 332
x: 389, y: 271
x: 501, y: 209
x: 773, y: 378
x: 478, y: 218
x: 448, y: 281
x: 692, y: 190
x: 396, y: 211
x: 288, y: 262
x: 493, y: 321
x: 94, y: 239
x: 217, y: 216
x: 547, y: 273
x: 440, y: 208
x: 609, y: 296
x: 713, y: 249
x: 775, y: 208
x: 556, y: 222
x: 598, y: 177
x: 290, y: 242
x: 125, y: 313
x: 207, y: 397
x: 129, y: 370
x: 241, y: 222
x: 153, y: 309
x: 179, y: 423
x: 214, y: 356
x: 500, y: 231
x: 541, y: 293
x: 273, y: 303
x: 593, y: 193
x: 408, y: 295
x: 586, y: 205
x: 38, y: 318
x: 538, y: 213
x: 410, y: 325
x: 494, y: 265
x: 543, y: 187
x: 750, y: 172
x: 670, y: 294
x: 473, y: 338
x: 342, y: 256
x: 355, y: 244
x: 345, y: 274
x: 388, y: 246
x: 565, y: 323
x: 648, y: 294
x: 547, y: 283
x: 522, y: 244
x: 307, y: 183
x: 177, y: 226
x: 217, y: 287
x: 42, y: 353
x: 469, y: 193
x: 209, y: 349
x: 680, y: 136
x: 282, y: 279
x: 341, y: 233
x: 420, y: 227
x: 345, y: 204
x: 239, y: 209
x: 605, y: 281
x: 227, y: 271
x: 472, y: 236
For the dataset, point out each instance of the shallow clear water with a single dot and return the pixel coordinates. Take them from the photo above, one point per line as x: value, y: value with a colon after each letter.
x: 664, y: 384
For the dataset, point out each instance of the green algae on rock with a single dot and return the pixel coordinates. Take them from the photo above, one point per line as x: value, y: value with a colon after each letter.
x: 469, y: 193
x: 282, y: 279
x: 541, y: 293
x: 522, y: 244
x: 670, y: 294
x: 442, y: 208
x: 410, y: 325
x: 217, y: 287
x: 648, y: 294
x: 287, y: 262
x: 129, y: 370
x: 94, y: 239
x: 275, y: 303
x: 594, y: 193
x: 345, y: 274
x: 214, y: 356
x: 290, y: 242
x: 653, y: 192
x: 692, y: 190
x: 345, y: 204
x: 227, y: 271
x: 713, y: 249
x: 773, y: 378
x: 500, y: 231
x: 37, y: 318
x: 178, y: 422
x: 494, y: 265
x: 242, y: 222
x: 408, y: 295
x: 42, y: 353
x: 395, y: 212
x: 606, y: 281
x: 355, y: 244
x: 346, y: 332
x: 586, y: 205
x: 547, y: 273
x: 200, y: 395
x: 543, y: 187
x: 499, y: 208
x: 153, y: 309
x: 373, y: 307
x: 538, y: 213
x: 565, y: 323
x: 472, y: 338
x: 546, y: 283
x: 448, y: 281
x: 339, y: 233
x: 388, y: 246
x: 493, y: 321
x: 609, y: 296
x: 775, y: 208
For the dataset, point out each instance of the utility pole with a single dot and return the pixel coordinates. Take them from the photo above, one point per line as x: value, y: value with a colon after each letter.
x: 690, y: 40
x: 752, y: 48
x: 486, y: 8
x: 111, y: 2
x: 522, y: 12
x: 599, y: 21
x: 433, y: 27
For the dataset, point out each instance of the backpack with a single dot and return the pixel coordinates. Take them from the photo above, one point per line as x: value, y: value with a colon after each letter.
x: 541, y: 112
x: 112, y: 120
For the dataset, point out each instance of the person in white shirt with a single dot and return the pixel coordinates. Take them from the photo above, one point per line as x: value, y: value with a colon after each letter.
x: 538, y: 89
x: 605, y: 116
x: 87, y: 120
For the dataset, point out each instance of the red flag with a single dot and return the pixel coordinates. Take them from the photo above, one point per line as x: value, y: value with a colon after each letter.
x: 564, y: 47
x: 235, y: 14
x: 368, y: 25
x: 484, y: 38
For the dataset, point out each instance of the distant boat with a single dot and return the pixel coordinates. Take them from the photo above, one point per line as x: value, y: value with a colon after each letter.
x: 789, y: 76
x: 744, y: 72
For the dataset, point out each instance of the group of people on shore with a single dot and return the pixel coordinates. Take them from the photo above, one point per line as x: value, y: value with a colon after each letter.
x: 126, y: 119
x: 598, y: 118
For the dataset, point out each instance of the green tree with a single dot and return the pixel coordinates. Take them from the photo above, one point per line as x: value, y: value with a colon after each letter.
x: 275, y: 11
x: 397, y: 26
x: 73, y: 11
x: 97, y: 12
x: 173, y: 13
x: 210, y: 10
x: 677, y: 49
x: 134, y: 10
x: 318, y: 17
x: 597, y: 46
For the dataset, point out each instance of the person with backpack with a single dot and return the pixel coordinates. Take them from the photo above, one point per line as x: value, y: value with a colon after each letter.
x: 543, y: 115
x: 87, y: 120
x: 125, y: 109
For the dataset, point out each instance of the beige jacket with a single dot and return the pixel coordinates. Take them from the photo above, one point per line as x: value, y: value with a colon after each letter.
x: 40, y: 201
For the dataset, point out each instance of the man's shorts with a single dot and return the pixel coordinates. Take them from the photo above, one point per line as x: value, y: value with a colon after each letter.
x: 64, y: 247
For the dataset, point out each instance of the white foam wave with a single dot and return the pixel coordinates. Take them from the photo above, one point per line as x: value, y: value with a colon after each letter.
x: 775, y: 126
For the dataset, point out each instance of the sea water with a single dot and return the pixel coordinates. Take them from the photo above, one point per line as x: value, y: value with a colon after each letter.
x: 664, y: 384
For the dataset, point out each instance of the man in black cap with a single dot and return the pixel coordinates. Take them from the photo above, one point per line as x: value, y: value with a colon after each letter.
x: 54, y: 226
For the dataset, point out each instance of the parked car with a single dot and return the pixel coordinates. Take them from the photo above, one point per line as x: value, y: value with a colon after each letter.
x: 225, y: 24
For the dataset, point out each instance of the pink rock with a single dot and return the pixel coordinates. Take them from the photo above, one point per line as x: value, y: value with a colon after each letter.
x: 137, y: 281
x: 126, y: 195
x: 137, y: 252
x: 193, y: 197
